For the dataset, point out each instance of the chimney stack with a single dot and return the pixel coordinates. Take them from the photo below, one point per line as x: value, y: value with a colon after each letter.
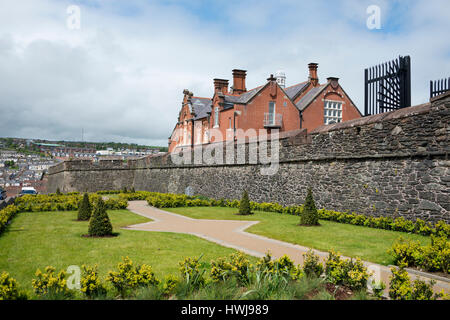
x: 313, y: 78
x: 334, y: 82
x: 220, y: 85
x: 239, y: 81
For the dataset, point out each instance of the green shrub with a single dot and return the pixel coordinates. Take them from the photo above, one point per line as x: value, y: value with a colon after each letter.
x: 309, y: 216
x: 405, y: 251
x: 349, y: 272
x: 284, y: 263
x: 433, y: 257
x: 237, y: 265
x: 442, y: 229
x: 90, y: 282
x: 401, y: 287
x: 129, y: 277
x: 51, y: 285
x: 9, y: 288
x: 283, y: 266
x: 399, y: 284
x: 190, y: 272
x: 99, y: 224
x: 422, y: 227
x: 401, y: 224
x: 6, y: 215
x: 312, y: 267
x: 388, y: 223
x: 169, y: 284
x: 436, y: 256
x: 102, y: 192
x: 244, y: 207
x: 65, y: 202
x: 378, y: 289
x: 84, y: 209
x: 422, y: 290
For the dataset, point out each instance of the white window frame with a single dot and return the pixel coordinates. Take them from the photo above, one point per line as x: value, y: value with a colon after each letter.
x: 274, y: 112
x: 332, y: 111
x: 216, y: 117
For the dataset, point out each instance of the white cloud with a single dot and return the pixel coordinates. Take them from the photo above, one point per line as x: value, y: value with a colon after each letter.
x: 120, y: 76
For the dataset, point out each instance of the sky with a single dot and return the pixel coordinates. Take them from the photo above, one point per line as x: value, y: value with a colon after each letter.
x: 120, y: 75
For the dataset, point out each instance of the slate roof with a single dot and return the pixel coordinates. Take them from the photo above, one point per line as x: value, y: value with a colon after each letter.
x: 247, y: 96
x: 244, y: 97
x: 293, y: 91
x: 201, y: 107
x: 310, y: 96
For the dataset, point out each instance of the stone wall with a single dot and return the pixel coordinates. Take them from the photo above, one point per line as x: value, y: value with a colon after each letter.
x: 394, y: 163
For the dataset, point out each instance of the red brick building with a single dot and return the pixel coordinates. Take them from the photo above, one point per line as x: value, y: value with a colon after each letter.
x: 307, y: 105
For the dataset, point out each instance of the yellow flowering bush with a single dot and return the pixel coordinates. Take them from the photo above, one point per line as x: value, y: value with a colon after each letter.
x: 312, y: 267
x: 9, y: 289
x: 401, y: 288
x: 190, y: 271
x: 349, y: 272
x: 146, y: 276
x: 170, y: 282
x: 433, y: 257
x: 285, y: 263
x: 220, y: 269
x: 7, y: 214
x: 49, y: 283
x: 189, y: 266
x: 237, y: 265
x: 442, y: 295
x: 282, y: 266
x: 90, y: 282
x: 64, y: 202
x: 130, y: 277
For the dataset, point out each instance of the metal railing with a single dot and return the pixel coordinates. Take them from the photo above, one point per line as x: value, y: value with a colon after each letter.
x: 273, y: 120
x: 387, y: 86
x: 438, y: 87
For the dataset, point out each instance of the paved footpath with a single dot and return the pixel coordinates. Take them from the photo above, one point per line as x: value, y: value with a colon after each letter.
x: 230, y: 233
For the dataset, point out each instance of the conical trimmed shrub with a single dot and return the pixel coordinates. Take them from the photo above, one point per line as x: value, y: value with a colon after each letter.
x: 309, y: 216
x: 84, y: 209
x: 244, y: 207
x: 100, y: 225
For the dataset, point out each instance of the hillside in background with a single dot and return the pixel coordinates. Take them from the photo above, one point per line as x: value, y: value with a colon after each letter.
x: 32, y: 145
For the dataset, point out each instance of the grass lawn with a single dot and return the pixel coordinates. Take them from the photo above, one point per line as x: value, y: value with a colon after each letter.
x: 353, y: 241
x: 38, y: 239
